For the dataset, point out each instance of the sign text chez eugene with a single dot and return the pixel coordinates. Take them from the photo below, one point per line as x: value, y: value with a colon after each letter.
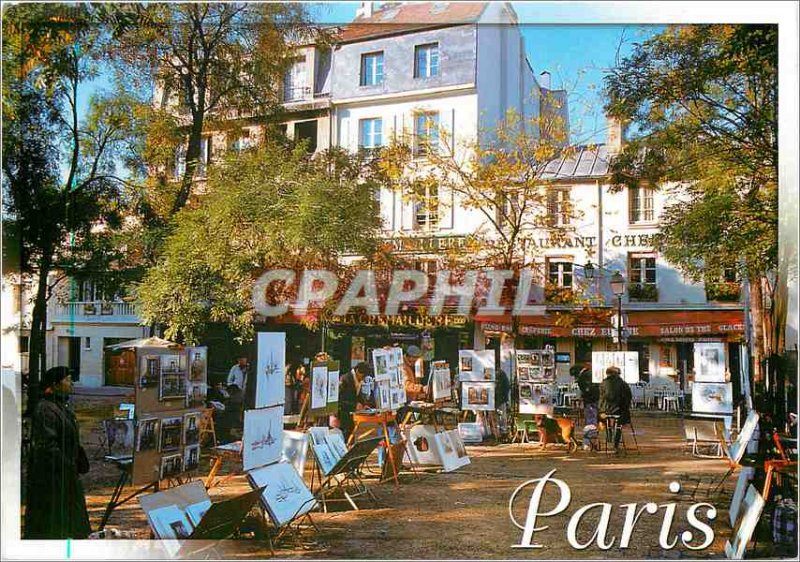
x: 433, y: 244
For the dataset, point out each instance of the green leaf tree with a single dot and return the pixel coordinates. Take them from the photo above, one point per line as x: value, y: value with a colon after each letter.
x: 265, y: 208
x: 60, y: 185
x: 702, y: 101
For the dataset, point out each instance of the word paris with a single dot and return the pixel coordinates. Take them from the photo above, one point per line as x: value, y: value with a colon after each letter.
x: 666, y: 539
x: 317, y: 287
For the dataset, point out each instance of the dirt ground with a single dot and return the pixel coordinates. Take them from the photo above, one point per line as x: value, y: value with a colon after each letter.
x: 465, y: 514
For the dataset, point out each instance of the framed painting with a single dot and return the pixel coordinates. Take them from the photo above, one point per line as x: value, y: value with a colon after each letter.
x: 269, y: 369
x: 477, y: 396
x: 262, y: 440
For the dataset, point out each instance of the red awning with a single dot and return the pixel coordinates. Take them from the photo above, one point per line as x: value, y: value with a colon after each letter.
x: 651, y: 323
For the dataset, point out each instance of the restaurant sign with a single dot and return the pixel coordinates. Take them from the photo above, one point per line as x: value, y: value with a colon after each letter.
x: 400, y: 320
x: 426, y: 244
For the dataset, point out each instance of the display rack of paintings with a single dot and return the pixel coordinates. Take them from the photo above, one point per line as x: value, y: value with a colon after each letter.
x: 390, y: 391
x: 169, y: 398
x: 626, y: 361
x: 269, y: 369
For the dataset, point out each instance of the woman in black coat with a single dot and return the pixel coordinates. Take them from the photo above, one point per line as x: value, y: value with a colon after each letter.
x: 56, y: 505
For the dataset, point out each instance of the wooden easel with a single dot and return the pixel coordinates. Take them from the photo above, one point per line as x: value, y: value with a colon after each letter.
x: 380, y: 419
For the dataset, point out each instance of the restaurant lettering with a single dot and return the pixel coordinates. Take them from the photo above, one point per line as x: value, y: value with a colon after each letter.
x: 412, y: 320
x: 434, y: 244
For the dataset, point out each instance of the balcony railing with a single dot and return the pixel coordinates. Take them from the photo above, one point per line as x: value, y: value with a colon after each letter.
x: 96, y: 311
x: 723, y: 292
x: 299, y: 93
x: 642, y: 292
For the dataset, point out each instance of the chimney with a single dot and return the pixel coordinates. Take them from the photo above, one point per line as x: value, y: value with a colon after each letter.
x: 544, y: 80
x: 365, y: 10
x: 616, y: 135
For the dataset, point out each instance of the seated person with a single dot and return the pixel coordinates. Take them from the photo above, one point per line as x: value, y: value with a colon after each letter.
x: 615, y: 400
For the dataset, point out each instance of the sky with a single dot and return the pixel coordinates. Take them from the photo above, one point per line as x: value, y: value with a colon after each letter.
x: 576, y: 55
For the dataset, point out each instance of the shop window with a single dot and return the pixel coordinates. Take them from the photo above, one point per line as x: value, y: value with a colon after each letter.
x: 642, y: 277
x: 583, y: 351
x: 640, y: 204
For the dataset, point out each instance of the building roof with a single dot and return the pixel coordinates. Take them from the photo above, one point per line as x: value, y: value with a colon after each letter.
x: 585, y: 162
x: 394, y: 18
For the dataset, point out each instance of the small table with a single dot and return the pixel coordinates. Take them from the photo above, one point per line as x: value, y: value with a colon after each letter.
x: 382, y: 420
x: 231, y: 451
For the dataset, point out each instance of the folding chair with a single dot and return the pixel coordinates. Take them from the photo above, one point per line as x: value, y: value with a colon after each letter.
x: 346, y: 475
x: 206, y: 426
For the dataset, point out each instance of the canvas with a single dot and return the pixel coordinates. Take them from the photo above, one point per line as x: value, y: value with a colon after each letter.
x: 380, y: 361
x: 326, y: 458
x: 147, y: 438
x: 451, y: 452
x: 336, y: 442
x: 383, y: 397
x: 196, y: 511
x: 752, y: 506
x: 171, y: 466
x: 171, y: 433
x: 477, y: 396
x: 627, y: 361
x: 471, y: 432
x: 170, y: 522
x: 119, y: 436
x: 536, y: 398
x: 319, y: 386
x: 333, y: 386
x: 269, y: 369
x: 285, y: 495
x: 746, y: 474
x: 420, y: 446
x: 712, y: 397
x: 198, y: 364
x: 739, y: 447
x: 191, y: 428
x: 295, y: 449
x: 476, y: 365
x: 262, y: 439
x: 442, y: 383
x: 709, y: 362
x: 191, y: 457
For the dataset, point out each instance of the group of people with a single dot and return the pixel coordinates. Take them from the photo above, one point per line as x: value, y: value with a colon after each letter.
x: 612, y: 397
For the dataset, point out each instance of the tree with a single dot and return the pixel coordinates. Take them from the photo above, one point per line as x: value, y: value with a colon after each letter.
x: 703, y: 100
x: 265, y: 208
x: 500, y: 175
x: 209, y: 63
x: 58, y: 180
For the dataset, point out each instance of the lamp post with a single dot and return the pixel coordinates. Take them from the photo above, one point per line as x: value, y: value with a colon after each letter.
x: 618, y: 288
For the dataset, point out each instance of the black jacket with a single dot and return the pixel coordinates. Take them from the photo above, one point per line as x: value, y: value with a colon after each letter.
x: 590, y: 392
x: 615, y: 397
x: 55, y: 503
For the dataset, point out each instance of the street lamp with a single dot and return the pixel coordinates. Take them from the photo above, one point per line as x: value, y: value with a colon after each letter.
x: 617, y: 283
